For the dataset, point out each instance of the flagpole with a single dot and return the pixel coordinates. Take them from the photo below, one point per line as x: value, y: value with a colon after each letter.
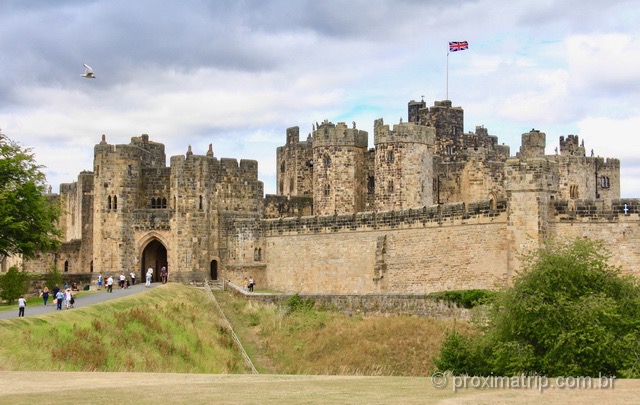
x: 447, y: 93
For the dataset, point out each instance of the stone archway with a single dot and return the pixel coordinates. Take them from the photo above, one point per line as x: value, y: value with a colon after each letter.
x: 154, y: 255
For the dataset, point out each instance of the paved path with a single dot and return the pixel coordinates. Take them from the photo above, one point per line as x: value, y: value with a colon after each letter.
x: 90, y: 299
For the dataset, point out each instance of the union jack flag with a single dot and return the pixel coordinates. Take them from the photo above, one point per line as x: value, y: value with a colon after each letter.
x: 458, y: 46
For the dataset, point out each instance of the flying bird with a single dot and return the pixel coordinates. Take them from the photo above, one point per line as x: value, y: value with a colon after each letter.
x: 88, y: 72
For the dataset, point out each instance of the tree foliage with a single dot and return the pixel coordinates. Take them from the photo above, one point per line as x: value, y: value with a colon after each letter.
x: 13, y: 284
x: 27, y: 217
x: 568, y: 313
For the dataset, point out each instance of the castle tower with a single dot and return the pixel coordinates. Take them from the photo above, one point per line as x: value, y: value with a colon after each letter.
x: 338, y: 168
x: 120, y: 189
x: 571, y: 146
x: 533, y: 144
x: 414, y: 108
x: 448, y: 122
x: 404, y: 165
x: 531, y: 184
x: 294, y: 166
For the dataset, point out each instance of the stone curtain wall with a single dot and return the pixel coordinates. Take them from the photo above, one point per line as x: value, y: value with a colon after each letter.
x: 416, y: 251
x: 618, y: 227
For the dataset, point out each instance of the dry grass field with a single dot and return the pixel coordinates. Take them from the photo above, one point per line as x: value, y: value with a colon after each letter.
x: 148, y: 388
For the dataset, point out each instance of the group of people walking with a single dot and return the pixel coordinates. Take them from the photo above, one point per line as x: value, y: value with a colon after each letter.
x: 64, y: 296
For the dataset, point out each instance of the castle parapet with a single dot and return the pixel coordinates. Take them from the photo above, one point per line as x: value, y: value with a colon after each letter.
x: 432, y: 216
x: 329, y: 134
x: 591, y: 210
x: 406, y: 132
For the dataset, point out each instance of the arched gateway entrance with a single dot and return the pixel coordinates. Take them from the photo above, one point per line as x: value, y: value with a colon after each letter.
x: 154, y: 255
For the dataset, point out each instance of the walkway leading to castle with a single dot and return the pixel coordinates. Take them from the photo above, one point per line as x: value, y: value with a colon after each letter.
x: 86, y: 300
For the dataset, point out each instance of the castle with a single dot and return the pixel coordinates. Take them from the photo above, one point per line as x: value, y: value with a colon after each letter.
x: 428, y: 208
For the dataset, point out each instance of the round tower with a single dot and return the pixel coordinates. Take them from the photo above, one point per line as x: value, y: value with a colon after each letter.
x: 338, y: 168
x: 403, y: 165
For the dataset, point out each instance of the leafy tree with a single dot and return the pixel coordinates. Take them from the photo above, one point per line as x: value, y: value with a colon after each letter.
x: 13, y: 284
x: 27, y: 217
x: 568, y: 313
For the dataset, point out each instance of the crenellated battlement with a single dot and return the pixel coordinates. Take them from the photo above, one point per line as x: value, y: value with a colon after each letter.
x: 418, y: 218
x: 571, y: 146
x: 591, y: 210
x: 329, y: 134
x: 406, y: 132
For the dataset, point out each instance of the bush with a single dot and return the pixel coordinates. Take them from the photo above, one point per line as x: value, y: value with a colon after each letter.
x: 568, y: 314
x: 464, y: 298
x: 296, y: 303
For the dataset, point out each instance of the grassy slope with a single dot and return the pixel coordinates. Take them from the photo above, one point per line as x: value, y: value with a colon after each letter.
x: 172, y: 329
x: 316, y: 342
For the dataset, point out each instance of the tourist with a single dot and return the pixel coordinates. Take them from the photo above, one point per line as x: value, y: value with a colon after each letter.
x: 121, y: 282
x: 100, y: 281
x: 110, y: 284
x: 67, y: 298
x: 149, y: 276
x: 22, y: 303
x: 245, y: 284
x: 59, y: 297
x: 163, y: 274
x: 252, y: 282
x: 45, y: 295
x: 133, y: 278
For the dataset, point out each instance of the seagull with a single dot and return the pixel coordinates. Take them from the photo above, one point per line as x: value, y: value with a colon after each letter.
x: 88, y: 72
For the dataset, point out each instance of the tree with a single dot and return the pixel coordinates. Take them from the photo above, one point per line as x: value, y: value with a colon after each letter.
x: 568, y: 313
x: 13, y: 284
x: 27, y: 217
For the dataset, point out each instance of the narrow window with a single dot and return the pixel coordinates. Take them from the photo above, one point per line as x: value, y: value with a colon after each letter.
x: 327, y: 190
x: 109, y: 202
x: 115, y: 202
x: 153, y: 203
x: 371, y: 185
x: 390, y: 186
x: 327, y: 161
x: 200, y: 204
x: 390, y: 156
x: 164, y: 203
x: 291, y: 185
x: 129, y: 170
x: 66, y: 266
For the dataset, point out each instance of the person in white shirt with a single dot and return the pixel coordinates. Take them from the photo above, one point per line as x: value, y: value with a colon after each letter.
x: 22, y: 303
x: 149, y: 276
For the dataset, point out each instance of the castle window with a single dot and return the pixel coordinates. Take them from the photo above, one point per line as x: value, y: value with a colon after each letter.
x: 91, y: 267
x: 604, y: 182
x: 371, y: 185
x: 327, y: 190
x: 108, y: 202
x: 153, y: 203
x: 129, y: 170
x: 115, y: 202
x: 97, y: 170
x: 573, y: 192
x: 291, y: 185
x: 326, y: 161
x: 200, y: 204
x: 259, y: 254
x: 390, y: 186
x: 66, y: 266
x: 282, y: 167
x: 390, y: 156
x: 281, y: 188
x: 164, y: 203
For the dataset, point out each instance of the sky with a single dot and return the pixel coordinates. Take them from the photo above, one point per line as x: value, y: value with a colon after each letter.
x: 238, y: 73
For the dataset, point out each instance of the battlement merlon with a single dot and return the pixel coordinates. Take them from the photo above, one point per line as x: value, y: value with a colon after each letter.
x: 607, y: 163
x: 406, y: 132
x: 329, y: 134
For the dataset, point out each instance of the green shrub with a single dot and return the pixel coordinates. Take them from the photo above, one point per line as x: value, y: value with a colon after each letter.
x: 464, y: 298
x: 296, y: 303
